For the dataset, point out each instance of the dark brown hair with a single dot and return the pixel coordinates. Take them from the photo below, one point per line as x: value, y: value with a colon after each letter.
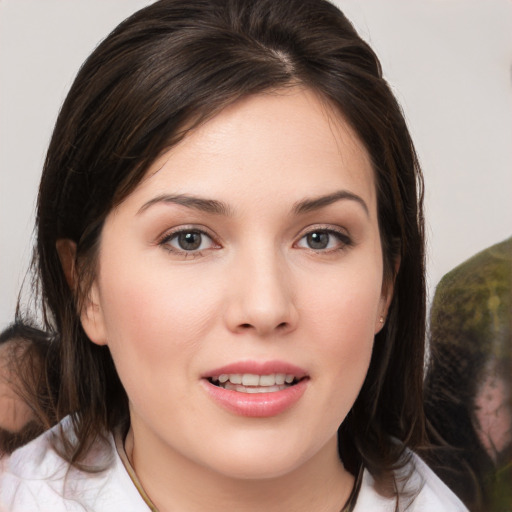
x: 163, y: 71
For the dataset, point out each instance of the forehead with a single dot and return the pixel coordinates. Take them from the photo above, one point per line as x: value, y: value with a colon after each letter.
x: 285, y: 143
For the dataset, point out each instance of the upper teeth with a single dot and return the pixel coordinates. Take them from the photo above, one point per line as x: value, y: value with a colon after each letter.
x: 251, y: 379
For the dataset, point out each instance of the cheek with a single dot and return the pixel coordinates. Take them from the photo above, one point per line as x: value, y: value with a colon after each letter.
x: 341, y: 323
x: 345, y: 304
x: 341, y: 334
x: 151, y: 314
x: 155, y: 327
x: 347, y: 331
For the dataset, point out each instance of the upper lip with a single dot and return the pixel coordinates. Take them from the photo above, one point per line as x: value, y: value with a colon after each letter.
x: 257, y: 368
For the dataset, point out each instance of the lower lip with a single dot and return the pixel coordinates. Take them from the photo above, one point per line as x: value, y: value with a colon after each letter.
x: 256, y: 405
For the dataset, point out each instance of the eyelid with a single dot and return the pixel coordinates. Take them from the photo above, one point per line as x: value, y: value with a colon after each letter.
x: 183, y: 227
x: 333, y: 228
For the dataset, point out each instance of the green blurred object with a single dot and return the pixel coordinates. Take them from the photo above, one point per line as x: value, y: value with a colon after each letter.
x: 472, y: 304
x: 501, y: 496
x: 469, y: 373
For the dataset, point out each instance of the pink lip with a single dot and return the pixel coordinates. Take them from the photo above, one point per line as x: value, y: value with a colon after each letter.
x: 258, y: 368
x: 257, y: 405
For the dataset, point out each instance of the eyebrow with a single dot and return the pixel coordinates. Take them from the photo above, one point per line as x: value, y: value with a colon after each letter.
x: 219, y: 208
x: 309, y: 205
x: 197, y: 203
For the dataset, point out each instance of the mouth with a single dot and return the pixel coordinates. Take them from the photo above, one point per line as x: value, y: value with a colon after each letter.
x: 255, y: 383
x: 259, y: 389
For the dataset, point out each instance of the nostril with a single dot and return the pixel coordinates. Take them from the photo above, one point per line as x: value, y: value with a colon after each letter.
x: 282, y: 326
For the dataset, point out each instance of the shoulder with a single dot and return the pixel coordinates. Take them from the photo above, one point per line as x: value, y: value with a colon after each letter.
x: 423, y: 491
x: 36, y: 478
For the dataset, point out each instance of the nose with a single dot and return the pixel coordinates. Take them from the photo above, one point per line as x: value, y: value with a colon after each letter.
x: 261, y: 296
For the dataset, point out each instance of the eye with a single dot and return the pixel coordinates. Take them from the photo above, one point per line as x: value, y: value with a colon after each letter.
x: 324, y: 240
x: 188, y: 240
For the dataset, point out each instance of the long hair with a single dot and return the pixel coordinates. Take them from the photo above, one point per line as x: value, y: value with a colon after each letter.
x: 159, y: 74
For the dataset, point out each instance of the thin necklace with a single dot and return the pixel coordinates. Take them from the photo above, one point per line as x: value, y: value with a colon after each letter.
x: 119, y: 442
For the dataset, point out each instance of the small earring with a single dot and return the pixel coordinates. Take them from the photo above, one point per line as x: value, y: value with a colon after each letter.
x: 381, y: 319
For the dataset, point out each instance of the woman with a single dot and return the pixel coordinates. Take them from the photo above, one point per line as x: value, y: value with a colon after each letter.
x: 230, y: 250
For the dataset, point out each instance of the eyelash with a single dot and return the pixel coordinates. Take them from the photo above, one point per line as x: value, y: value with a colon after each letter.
x: 343, y: 239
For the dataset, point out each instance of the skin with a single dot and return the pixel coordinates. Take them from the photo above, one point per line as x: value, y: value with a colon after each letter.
x: 256, y: 290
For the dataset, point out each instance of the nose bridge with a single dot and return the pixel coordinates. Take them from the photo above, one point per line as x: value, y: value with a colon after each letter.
x: 263, y: 298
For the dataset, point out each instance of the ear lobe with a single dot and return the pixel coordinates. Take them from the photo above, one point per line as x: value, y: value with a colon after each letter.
x: 383, y: 309
x: 90, y: 310
x: 388, y: 289
x: 91, y: 317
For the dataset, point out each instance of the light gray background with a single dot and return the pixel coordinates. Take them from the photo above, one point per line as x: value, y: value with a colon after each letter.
x: 448, y: 61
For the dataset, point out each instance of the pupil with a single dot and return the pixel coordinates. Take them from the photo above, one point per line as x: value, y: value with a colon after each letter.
x: 189, y: 241
x: 318, y: 240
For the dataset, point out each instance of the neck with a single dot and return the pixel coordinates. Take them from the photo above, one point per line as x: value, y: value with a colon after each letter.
x: 174, y: 482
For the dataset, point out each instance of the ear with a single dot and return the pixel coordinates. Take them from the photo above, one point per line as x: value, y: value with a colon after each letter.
x: 66, y: 249
x: 91, y: 316
x: 90, y: 310
x: 388, y: 288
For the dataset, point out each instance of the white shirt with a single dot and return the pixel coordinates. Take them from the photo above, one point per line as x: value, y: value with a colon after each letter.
x: 36, y: 479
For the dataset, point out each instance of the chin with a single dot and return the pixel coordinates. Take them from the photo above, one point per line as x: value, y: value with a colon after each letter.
x: 263, y: 458
x: 258, y: 468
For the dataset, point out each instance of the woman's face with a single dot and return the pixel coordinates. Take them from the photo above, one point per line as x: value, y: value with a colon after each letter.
x: 249, y: 256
